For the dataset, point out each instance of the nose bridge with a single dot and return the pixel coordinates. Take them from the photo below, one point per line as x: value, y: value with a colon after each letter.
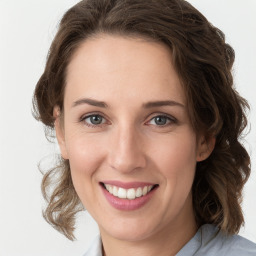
x: 126, y: 152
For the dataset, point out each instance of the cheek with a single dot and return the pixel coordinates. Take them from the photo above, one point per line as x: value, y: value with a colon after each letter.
x: 176, y: 156
x: 176, y: 160
x: 84, y: 151
x: 177, y: 163
x: 85, y: 156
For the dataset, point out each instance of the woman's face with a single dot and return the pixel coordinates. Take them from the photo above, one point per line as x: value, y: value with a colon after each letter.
x: 128, y: 138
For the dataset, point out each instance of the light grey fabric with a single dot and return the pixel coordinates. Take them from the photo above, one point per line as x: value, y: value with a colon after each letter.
x: 206, y: 242
x: 96, y: 248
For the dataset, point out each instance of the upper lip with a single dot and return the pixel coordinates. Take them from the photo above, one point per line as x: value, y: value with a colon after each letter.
x: 127, y: 185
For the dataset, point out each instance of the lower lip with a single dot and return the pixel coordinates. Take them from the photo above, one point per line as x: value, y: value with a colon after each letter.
x: 127, y: 204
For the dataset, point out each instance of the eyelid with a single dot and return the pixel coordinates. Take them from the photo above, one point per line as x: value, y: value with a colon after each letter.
x: 88, y: 115
x: 172, y: 119
x: 169, y: 117
x: 93, y: 113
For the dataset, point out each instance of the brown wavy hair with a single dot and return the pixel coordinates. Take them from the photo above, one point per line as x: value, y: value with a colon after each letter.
x: 203, y: 61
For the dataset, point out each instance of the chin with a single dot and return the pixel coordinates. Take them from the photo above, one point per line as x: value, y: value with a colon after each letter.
x: 135, y: 230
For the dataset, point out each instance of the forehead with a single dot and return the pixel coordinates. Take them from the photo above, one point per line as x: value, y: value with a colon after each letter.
x: 128, y: 68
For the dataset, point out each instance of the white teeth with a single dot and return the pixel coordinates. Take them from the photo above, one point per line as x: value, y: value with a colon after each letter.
x: 108, y: 187
x: 115, y: 191
x: 145, y: 191
x: 121, y: 193
x: 138, y: 192
x: 130, y: 193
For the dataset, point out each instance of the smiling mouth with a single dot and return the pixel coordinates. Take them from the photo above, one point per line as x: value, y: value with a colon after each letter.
x: 131, y: 193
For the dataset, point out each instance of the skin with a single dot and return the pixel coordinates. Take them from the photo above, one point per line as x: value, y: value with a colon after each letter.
x: 129, y: 144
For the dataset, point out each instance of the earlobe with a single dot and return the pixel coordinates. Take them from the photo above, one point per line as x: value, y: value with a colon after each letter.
x: 205, y: 148
x: 59, y: 129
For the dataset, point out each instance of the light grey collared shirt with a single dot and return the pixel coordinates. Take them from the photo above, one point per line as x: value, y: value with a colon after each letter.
x: 206, y: 242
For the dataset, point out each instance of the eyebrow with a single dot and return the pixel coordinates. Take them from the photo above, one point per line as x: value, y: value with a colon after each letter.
x: 150, y: 104
x: 153, y: 104
x: 91, y: 102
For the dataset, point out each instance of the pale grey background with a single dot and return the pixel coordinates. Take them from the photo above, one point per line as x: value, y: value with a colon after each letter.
x: 26, y: 29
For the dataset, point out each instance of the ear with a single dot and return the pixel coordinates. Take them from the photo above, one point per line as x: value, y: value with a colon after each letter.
x: 59, y: 129
x: 205, y: 147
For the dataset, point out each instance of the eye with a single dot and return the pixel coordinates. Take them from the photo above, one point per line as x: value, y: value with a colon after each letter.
x: 94, y: 120
x: 161, y: 120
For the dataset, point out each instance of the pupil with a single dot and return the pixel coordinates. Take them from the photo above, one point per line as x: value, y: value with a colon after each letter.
x: 160, y: 120
x: 96, y: 119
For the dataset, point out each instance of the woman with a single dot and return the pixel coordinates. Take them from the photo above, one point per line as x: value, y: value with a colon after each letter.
x: 140, y: 94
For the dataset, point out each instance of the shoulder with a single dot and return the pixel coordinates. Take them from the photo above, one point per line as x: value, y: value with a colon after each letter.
x: 215, y: 242
x: 208, y: 241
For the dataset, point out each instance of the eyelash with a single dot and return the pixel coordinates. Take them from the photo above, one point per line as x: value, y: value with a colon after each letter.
x: 83, y: 119
x: 169, y: 119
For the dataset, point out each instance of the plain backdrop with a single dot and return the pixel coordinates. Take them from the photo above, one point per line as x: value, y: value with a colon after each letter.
x: 27, y: 28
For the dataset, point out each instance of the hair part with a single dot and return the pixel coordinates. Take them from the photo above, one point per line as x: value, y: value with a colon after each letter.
x: 203, y: 61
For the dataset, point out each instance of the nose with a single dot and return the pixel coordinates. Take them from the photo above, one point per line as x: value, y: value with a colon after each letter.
x: 126, y: 152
